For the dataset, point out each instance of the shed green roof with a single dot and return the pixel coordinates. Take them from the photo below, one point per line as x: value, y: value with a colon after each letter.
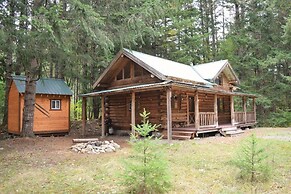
x: 44, y: 86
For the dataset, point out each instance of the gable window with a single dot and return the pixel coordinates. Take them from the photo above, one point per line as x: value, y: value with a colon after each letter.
x: 138, y: 71
x: 55, y: 104
x: 218, y: 80
x: 124, y: 73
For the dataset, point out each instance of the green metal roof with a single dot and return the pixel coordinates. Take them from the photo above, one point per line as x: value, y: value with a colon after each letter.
x: 44, y: 86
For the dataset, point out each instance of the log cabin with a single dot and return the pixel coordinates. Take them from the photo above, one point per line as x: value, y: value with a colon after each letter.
x: 185, y: 100
x: 52, y: 106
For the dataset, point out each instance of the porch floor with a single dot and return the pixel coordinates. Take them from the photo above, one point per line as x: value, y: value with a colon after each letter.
x: 190, y: 132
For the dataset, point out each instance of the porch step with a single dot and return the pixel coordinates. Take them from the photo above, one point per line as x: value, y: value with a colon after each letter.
x: 184, y: 133
x: 181, y: 137
x: 233, y: 133
x: 230, y: 131
x: 229, y: 128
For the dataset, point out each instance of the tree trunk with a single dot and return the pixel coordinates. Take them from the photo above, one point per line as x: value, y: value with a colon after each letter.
x: 8, y: 70
x: 29, y: 100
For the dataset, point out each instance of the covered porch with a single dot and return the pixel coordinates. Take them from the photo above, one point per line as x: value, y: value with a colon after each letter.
x: 183, y: 112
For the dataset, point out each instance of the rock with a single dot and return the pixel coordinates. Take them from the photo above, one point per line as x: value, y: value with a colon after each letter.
x: 108, y: 149
x: 115, y: 145
x: 1, y: 149
x: 95, y: 147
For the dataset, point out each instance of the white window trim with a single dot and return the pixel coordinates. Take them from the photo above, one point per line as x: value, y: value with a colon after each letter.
x: 53, y: 102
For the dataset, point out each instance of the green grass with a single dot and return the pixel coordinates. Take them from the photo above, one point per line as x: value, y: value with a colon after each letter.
x: 197, y: 166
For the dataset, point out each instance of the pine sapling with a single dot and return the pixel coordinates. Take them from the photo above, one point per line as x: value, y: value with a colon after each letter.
x: 252, y: 161
x: 146, y: 170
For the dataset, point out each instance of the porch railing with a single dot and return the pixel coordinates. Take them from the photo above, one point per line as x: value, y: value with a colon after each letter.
x: 251, y: 117
x: 206, y: 118
x: 239, y: 117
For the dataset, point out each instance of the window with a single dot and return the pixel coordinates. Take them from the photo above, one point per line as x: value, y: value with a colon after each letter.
x: 120, y: 75
x: 219, y: 80
x: 127, y: 71
x: 138, y: 71
x: 55, y: 104
x: 124, y: 73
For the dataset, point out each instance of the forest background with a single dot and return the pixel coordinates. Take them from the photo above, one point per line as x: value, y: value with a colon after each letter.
x: 76, y: 39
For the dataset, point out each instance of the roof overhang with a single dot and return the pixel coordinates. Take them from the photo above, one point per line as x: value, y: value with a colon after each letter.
x: 155, y: 86
x: 229, y: 72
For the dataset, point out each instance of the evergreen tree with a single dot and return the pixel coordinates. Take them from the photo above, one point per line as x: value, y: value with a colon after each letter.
x: 252, y: 161
x: 146, y: 169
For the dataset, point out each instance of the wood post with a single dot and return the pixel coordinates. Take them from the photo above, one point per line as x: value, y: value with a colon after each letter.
x: 215, y: 111
x: 254, y: 109
x: 188, y: 119
x: 245, y: 109
x: 197, y: 118
x: 103, y: 116
x: 84, y: 115
x: 232, y: 110
x: 169, y: 114
x: 132, y: 112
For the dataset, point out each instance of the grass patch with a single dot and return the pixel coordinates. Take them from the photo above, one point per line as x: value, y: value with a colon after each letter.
x: 197, y: 166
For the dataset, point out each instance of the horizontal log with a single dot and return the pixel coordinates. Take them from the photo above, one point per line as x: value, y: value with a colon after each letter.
x: 84, y: 140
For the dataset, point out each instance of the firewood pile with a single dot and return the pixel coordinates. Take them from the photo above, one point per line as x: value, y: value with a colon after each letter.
x: 95, y: 147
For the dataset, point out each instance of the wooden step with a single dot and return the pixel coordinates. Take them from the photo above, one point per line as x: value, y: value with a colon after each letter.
x: 232, y: 128
x: 183, y: 132
x: 233, y: 133
x: 181, y: 137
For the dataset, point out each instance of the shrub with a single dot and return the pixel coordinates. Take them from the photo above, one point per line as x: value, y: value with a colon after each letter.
x: 146, y: 170
x: 252, y: 161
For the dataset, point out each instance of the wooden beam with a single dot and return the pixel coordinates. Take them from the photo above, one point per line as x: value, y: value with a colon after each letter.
x: 132, y: 112
x: 215, y: 111
x: 103, y: 116
x: 197, y: 116
x: 84, y: 115
x: 244, y: 108
x: 169, y: 114
x: 254, y: 109
x: 232, y: 110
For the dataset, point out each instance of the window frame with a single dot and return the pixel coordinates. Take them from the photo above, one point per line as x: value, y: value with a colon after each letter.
x: 53, y: 102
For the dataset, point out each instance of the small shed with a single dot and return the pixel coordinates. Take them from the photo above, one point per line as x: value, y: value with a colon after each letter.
x: 52, y: 106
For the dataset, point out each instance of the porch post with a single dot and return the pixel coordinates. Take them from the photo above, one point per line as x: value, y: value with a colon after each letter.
x: 254, y: 107
x: 102, y: 116
x: 188, y: 119
x: 132, y: 113
x: 84, y: 115
x: 215, y: 111
x: 169, y: 114
x: 232, y: 110
x: 245, y: 109
x: 197, y: 117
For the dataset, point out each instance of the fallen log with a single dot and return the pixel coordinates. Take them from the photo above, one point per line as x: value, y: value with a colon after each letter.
x: 84, y: 140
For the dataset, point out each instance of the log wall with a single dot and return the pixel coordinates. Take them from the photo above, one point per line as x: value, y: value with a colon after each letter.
x: 206, y: 102
x: 224, y: 110
x: 119, y: 111
x: 120, y: 108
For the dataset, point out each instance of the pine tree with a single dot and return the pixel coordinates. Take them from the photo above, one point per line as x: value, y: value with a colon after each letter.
x: 146, y: 170
x: 252, y: 161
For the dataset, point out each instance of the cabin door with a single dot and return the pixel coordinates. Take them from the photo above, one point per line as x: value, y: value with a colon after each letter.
x: 223, y: 108
x: 191, y: 109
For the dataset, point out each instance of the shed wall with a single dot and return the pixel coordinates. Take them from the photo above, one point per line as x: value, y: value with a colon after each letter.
x: 13, y: 110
